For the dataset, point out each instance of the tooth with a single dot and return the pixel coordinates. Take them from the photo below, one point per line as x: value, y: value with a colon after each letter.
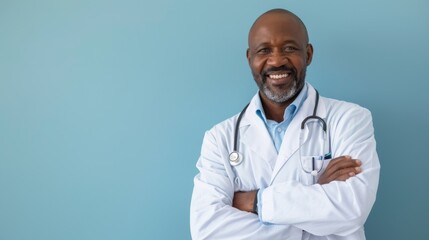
x: 277, y: 76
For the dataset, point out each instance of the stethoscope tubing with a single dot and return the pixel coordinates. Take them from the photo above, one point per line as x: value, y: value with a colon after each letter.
x: 235, y: 158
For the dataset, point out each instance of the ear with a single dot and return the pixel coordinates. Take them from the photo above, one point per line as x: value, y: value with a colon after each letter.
x: 248, y: 55
x: 309, y: 53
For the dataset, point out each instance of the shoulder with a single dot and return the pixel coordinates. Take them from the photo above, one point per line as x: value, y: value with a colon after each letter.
x: 226, y: 128
x: 218, y: 139
x: 343, y: 115
x: 336, y: 107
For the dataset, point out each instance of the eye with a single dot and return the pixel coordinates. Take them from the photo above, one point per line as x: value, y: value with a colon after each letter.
x: 263, y: 51
x: 290, y: 49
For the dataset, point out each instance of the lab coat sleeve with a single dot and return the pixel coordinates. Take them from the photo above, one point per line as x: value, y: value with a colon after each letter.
x: 340, y: 207
x: 211, y: 213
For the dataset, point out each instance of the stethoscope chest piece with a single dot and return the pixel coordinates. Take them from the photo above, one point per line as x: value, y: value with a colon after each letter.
x: 235, y: 158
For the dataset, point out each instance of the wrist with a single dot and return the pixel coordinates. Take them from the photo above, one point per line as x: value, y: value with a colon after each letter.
x: 255, y: 203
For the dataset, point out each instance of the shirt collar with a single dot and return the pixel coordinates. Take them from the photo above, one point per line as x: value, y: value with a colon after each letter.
x: 294, y: 106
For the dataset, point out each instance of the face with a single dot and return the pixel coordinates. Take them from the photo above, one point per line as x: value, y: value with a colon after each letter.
x: 278, y: 56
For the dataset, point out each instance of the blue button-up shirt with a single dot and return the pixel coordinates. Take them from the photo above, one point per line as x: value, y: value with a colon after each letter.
x: 277, y: 130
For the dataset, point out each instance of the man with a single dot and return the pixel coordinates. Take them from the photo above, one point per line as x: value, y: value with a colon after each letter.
x: 291, y: 178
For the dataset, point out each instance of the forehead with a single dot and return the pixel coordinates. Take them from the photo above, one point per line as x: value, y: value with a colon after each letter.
x: 275, y: 27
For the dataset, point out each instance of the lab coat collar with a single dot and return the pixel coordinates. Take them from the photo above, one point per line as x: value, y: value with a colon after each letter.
x: 291, y: 143
x: 254, y: 134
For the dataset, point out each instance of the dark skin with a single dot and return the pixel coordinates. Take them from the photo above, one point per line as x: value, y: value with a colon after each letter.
x: 278, y: 44
x: 278, y: 56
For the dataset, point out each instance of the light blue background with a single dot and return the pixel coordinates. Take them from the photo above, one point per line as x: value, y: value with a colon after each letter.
x: 103, y: 106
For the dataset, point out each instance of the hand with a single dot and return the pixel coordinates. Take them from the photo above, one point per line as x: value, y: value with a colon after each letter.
x: 340, y: 169
x: 244, y: 200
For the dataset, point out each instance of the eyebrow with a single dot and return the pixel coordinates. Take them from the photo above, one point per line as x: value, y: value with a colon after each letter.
x: 264, y: 44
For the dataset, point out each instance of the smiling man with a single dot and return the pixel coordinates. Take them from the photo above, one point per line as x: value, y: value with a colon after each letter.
x: 278, y: 55
x: 292, y: 164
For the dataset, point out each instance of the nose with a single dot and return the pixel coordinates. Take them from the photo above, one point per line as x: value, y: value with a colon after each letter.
x: 277, y: 59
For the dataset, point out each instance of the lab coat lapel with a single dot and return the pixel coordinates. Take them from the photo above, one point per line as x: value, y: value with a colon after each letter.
x: 254, y: 135
x: 291, y: 143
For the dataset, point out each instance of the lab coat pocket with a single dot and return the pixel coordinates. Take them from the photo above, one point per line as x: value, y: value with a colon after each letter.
x: 314, y: 163
x: 239, y: 179
x: 322, y: 164
x: 313, y: 166
x: 242, y: 181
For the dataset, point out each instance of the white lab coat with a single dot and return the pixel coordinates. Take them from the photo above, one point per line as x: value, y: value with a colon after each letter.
x: 292, y: 206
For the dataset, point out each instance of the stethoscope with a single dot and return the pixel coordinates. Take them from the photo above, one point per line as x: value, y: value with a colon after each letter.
x: 235, y: 157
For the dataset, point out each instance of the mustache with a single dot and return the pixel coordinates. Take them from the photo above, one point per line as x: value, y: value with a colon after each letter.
x: 280, y: 68
x: 265, y: 72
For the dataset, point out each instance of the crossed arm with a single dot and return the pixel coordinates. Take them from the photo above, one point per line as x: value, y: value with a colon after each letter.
x: 332, y: 206
x: 339, y: 169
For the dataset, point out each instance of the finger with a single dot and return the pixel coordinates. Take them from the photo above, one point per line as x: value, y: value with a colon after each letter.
x: 348, y: 164
x: 343, y: 177
x: 347, y: 171
x: 342, y: 164
x: 341, y: 173
x: 345, y: 167
x: 343, y: 160
x: 338, y: 160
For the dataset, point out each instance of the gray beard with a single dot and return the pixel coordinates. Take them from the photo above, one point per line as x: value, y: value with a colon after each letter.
x: 279, y: 98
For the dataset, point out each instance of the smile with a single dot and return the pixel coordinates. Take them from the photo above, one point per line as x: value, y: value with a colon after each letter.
x: 278, y: 76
